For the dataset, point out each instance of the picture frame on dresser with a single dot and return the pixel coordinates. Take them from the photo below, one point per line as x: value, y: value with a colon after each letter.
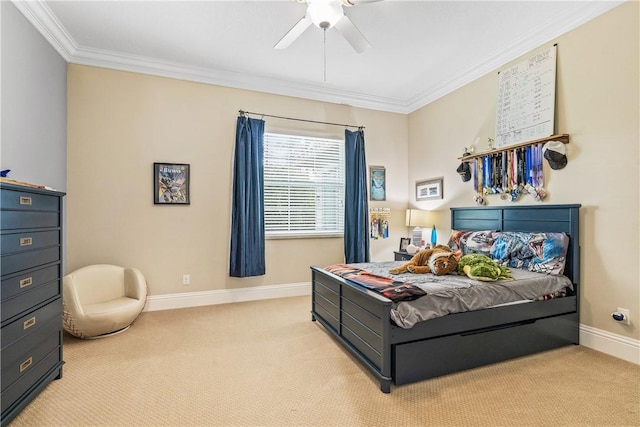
x: 404, y: 242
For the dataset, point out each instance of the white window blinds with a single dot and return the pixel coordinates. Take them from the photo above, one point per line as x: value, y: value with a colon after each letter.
x: 303, y: 186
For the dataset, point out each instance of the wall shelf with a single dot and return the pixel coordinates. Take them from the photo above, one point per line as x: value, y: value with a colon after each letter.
x: 564, y: 138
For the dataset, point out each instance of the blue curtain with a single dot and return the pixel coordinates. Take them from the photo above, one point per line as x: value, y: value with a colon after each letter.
x: 247, y: 217
x: 356, y: 207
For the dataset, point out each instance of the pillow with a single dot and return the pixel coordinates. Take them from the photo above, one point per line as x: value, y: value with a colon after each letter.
x: 454, y: 242
x: 539, y: 252
x: 471, y: 242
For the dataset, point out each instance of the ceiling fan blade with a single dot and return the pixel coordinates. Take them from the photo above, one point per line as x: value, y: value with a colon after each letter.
x: 293, y: 33
x: 352, y: 34
x: 355, y: 2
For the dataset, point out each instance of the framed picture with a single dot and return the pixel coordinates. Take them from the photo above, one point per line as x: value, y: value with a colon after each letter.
x: 404, y: 242
x: 171, y: 184
x: 429, y: 189
x: 377, y: 175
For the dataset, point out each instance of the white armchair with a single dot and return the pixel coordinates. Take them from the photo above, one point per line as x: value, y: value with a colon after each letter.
x: 102, y: 300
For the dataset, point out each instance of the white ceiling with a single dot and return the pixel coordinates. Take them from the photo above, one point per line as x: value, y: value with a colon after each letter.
x: 420, y: 50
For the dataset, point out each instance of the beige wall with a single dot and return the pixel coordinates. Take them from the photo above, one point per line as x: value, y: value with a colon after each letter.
x: 120, y: 123
x: 597, y: 103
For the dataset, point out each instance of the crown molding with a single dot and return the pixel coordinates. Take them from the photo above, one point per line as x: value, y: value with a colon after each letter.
x: 43, y: 19
x: 527, y: 42
x: 254, y: 82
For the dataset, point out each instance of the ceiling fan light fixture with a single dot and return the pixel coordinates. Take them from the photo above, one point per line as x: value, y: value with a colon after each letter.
x: 324, y: 13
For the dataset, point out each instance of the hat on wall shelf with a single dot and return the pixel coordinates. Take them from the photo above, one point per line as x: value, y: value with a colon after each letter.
x: 465, y: 171
x: 556, y: 154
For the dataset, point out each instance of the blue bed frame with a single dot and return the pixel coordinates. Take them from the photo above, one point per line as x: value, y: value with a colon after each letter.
x: 360, y: 319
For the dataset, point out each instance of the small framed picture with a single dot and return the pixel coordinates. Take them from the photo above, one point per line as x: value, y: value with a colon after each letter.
x: 404, y: 242
x: 171, y: 184
x: 377, y: 175
x: 429, y: 189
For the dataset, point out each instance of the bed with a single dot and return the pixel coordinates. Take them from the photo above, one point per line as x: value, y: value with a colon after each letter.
x: 360, y: 319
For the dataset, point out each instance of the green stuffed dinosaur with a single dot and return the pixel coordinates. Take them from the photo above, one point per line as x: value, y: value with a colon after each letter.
x: 481, y: 267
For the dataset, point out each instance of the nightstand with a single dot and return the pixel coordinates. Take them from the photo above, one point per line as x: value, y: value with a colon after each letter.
x: 401, y: 256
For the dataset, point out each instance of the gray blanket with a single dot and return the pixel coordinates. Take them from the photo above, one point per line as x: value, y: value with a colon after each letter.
x: 456, y: 294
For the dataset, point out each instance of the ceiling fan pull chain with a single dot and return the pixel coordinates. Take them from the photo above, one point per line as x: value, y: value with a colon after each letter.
x: 324, y: 51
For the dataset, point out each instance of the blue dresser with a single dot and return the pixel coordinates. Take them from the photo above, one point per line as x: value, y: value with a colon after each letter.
x: 31, y: 297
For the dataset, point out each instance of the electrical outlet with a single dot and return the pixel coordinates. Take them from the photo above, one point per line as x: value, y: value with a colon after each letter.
x: 625, y: 312
x: 186, y: 279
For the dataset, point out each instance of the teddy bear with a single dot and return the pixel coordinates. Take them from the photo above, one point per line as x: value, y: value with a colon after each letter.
x: 481, y: 267
x: 439, y: 260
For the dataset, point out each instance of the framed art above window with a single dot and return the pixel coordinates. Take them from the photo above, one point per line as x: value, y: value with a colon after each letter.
x: 430, y: 189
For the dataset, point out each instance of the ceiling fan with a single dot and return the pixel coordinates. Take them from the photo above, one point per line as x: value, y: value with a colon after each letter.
x: 327, y: 14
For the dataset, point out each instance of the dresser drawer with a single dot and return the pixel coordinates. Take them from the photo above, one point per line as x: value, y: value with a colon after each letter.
x: 18, y: 242
x: 12, y: 307
x: 28, y: 280
x: 32, y: 378
x: 32, y: 321
x: 24, y: 200
x: 25, y: 260
x: 18, y: 358
x: 13, y: 220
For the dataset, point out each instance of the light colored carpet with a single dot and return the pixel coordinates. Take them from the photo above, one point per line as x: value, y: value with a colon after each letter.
x: 266, y: 363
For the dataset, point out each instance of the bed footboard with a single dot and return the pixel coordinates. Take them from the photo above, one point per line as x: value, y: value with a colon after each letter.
x: 358, y: 318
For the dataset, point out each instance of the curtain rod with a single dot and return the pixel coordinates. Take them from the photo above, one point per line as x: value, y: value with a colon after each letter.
x: 242, y: 112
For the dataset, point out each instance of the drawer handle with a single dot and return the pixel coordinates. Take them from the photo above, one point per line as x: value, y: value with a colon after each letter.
x: 29, y: 323
x: 26, y: 241
x: 26, y: 282
x: 24, y: 365
x: 25, y: 200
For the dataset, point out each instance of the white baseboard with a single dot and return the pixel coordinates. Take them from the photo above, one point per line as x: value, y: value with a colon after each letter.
x: 596, y: 339
x: 612, y: 344
x: 225, y: 296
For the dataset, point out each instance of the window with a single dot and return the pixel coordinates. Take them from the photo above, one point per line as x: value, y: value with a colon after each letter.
x: 303, y: 186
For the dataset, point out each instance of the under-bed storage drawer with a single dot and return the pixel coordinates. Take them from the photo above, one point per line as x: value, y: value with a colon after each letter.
x: 439, y: 356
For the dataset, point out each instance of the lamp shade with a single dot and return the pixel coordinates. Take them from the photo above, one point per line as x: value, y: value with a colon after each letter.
x: 418, y: 218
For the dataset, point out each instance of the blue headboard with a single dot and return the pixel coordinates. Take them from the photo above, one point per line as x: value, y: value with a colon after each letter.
x: 539, y: 218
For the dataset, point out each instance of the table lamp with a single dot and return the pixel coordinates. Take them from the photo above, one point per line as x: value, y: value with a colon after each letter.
x: 418, y: 218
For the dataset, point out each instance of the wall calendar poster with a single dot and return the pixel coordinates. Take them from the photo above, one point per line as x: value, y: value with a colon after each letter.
x: 526, y: 100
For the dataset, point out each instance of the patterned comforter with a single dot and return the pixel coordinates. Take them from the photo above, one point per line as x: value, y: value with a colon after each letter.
x: 419, y: 297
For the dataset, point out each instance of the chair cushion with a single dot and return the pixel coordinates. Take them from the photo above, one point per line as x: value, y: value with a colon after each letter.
x: 102, y: 299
